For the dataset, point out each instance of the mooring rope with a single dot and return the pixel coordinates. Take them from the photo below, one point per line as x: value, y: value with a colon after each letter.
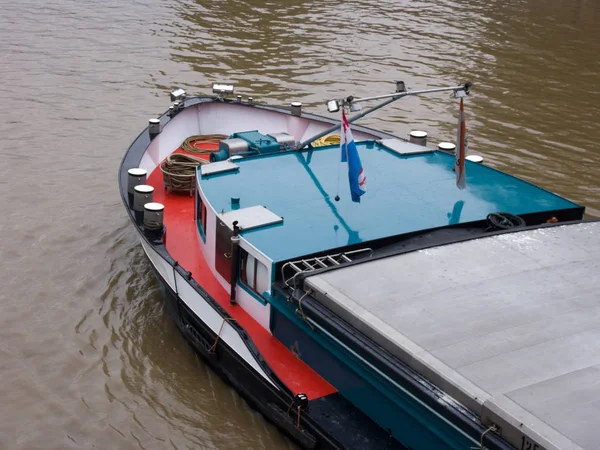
x: 225, y: 319
x: 331, y: 139
x: 299, y: 309
x: 179, y: 170
x: 191, y: 144
x: 492, y: 429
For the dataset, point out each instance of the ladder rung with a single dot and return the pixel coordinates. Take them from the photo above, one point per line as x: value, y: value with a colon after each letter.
x: 333, y: 261
x: 321, y: 263
x: 307, y: 264
x: 295, y: 267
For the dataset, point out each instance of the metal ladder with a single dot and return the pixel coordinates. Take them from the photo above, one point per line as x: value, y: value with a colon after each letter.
x: 319, y: 262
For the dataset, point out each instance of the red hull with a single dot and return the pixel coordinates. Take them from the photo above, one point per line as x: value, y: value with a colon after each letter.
x: 182, y: 245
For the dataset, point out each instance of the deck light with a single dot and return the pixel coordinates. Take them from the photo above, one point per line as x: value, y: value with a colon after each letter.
x: 460, y: 93
x: 333, y: 106
x: 222, y: 89
x: 178, y: 95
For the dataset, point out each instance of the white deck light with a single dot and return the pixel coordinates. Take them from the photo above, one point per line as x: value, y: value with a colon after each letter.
x: 178, y: 94
x: 222, y: 89
x: 333, y: 106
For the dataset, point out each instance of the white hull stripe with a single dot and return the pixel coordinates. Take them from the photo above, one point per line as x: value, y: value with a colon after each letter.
x: 203, y: 309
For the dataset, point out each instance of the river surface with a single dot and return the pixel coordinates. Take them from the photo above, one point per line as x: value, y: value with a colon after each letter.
x: 88, y: 356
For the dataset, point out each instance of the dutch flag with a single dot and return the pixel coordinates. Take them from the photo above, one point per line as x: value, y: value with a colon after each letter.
x: 356, y: 175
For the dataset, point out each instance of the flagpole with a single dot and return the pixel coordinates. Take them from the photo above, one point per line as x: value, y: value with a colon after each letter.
x: 461, y: 148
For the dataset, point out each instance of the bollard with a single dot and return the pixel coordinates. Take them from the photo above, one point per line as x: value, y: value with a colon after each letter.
x: 418, y: 137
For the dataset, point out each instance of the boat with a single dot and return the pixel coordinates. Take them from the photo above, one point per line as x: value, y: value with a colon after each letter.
x: 452, y: 306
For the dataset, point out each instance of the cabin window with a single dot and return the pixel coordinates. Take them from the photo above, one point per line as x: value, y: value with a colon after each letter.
x: 201, y: 215
x: 253, y: 273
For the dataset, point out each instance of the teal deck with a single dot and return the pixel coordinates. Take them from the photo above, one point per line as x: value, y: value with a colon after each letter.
x: 404, y: 194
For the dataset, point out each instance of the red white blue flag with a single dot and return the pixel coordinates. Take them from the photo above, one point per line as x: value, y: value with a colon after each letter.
x: 356, y: 174
x: 461, y: 149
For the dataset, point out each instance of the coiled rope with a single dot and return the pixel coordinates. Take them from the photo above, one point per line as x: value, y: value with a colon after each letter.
x: 504, y: 221
x: 179, y: 169
x: 195, y: 144
x: 332, y: 139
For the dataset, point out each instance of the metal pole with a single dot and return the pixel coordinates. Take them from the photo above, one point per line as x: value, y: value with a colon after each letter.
x: 235, y: 261
x: 422, y: 91
x: 391, y: 98
x: 304, y: 143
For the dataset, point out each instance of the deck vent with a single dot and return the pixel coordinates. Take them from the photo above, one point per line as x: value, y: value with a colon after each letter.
x: 296, y: 108
x: 153, y: 216
x: 418, y: 137
x: 143, y: 194
x: 136, y: 176
x: 447, y: 147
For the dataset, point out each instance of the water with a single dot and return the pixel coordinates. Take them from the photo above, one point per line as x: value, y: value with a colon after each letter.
x: 88, y: 356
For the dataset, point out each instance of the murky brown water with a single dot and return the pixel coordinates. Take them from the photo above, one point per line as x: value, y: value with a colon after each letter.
x: 88, y: 356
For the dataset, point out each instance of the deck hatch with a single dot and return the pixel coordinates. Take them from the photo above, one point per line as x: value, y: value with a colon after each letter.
x: 218, y: 167
x: 403, y: 147
x: 252, y: 217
